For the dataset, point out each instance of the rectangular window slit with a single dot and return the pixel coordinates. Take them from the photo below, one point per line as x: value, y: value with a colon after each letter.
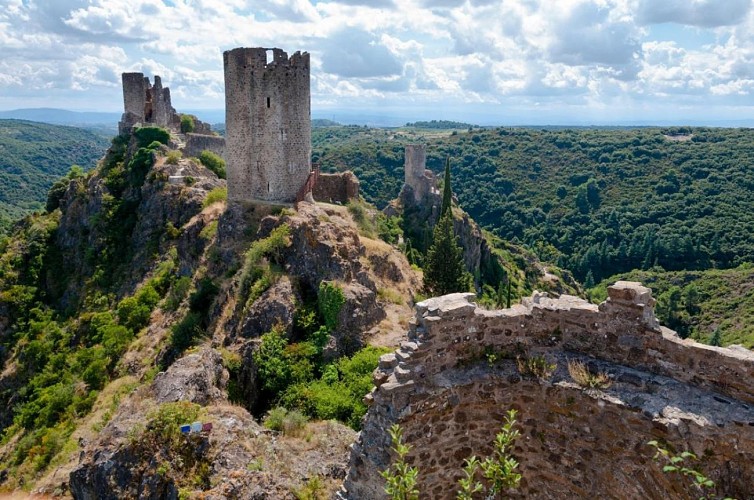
x: 268, y: 102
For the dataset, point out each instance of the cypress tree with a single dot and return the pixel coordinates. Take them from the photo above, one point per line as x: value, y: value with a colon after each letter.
x: 447, y: 194
x: 444, y: 271
x: 716, y: 339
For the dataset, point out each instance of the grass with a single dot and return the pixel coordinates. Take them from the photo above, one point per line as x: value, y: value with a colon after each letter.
x: 580, y: 374
x: 535, y: 366
x: 390, y: 295
x: 217, y: 195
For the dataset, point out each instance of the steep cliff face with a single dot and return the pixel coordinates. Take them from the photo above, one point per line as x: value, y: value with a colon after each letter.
x: 450, y: 397
x: 491, y: 261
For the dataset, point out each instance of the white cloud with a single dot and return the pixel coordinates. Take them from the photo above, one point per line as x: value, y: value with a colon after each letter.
x: 430, y: 53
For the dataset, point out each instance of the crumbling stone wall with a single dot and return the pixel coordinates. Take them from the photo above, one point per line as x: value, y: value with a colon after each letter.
x: 341, y: 187
x: 268, y: 124
x: 147, y: 104
x: 417, y: 178
x: 196, y: 143
x: 441, y: 387
x: 144, y: 103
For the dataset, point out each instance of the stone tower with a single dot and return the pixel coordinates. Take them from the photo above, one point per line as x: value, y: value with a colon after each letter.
x: 267, y: 123
x: 417, y: 177
x: 146, y: 103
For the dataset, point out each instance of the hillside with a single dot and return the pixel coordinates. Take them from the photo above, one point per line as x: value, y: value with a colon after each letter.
x: 33, y: 156
x: 698, y: 304
x: 141, y: 301
x: 596, y: 201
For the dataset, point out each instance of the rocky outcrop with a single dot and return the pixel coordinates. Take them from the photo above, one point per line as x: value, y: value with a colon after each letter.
x: 276, y: 306
x: 450, y: 398
x: 197, y: 378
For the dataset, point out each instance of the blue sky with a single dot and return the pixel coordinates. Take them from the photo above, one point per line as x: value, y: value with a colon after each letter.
x: 482, y: 61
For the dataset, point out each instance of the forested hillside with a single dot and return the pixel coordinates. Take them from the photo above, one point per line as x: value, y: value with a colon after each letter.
x: 35, y: 155
x: 596, y: 201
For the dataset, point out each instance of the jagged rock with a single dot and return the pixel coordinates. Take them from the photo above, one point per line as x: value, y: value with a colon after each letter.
x: 198, y: 378
x: 275, y: 306
x: 321, y: 250
x: 359, y: 312
x: 121, y: 474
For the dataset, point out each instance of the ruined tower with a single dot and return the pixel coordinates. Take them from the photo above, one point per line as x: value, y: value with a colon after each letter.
x: 146, y: 103
x: 416, y: 175
x: 268, y: 124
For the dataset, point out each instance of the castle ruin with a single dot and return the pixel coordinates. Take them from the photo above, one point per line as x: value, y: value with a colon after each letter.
x: 268, y: 124
x: 450, y: 385
x: 144, y: 103
x: 421, y: 181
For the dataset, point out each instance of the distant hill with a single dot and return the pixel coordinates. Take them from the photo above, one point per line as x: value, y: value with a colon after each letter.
x: 596, y: 201
x: 57, y: 116
x: 33, y: 156
x: 440, y: 125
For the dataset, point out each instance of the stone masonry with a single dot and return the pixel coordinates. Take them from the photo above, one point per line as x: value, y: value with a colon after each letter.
x: 196, y: 143
x: 146, y: 103
x: 336, y: 188
x: 268, y: 124
x: 451, y: 383
x: 420, y: 180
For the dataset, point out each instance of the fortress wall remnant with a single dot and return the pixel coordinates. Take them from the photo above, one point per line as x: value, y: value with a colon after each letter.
x: 450, y: 384
x: 196, y: 143
x: 268, y: 124
x: 341, y: 187
x: 144, y: 103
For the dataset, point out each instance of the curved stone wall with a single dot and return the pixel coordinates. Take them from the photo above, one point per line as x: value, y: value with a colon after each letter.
x: 451, y: 383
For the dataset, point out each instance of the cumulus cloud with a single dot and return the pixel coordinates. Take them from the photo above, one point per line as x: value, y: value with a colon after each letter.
x: 591, y: 53
x: 355, y: 53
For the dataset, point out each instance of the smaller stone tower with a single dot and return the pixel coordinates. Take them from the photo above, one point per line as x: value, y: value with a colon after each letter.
x: 146, y: 104
x: 417, y: 177
x: 267, y: 124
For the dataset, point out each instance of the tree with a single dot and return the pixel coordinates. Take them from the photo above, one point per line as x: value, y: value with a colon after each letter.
x: 444, y: 271
x: 447, y: 193
x: 716, y: 339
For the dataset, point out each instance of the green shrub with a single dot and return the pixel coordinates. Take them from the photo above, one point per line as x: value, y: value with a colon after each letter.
x: 145, y: 136
x: 273, y: 368
x: 213, y: 162
x: 177, y: 293
x: 185, y: 333
x: 290, y: 423
x: 187, y: 124
x: 217, y: 195
x: 330, y: 299
x: 163, y: 424
x: 173, y: 157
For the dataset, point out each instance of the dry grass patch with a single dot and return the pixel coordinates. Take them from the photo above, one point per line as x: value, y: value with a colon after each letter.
x: 580, y: 374
x: 535, y: 367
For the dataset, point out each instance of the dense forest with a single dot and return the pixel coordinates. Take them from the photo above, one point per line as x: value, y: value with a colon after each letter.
x: 595, y: 201
x: 34, y: 156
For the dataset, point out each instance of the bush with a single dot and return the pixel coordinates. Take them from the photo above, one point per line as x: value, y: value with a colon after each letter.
x: 187, y: 124
x: 164, y: 423
x: 173, y: 157
x: 145, y: 136
x: 213, y: 162
x: 217, y: 195
x: 330, y: 299
x: 185, y: 333
x: 290, y: 423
